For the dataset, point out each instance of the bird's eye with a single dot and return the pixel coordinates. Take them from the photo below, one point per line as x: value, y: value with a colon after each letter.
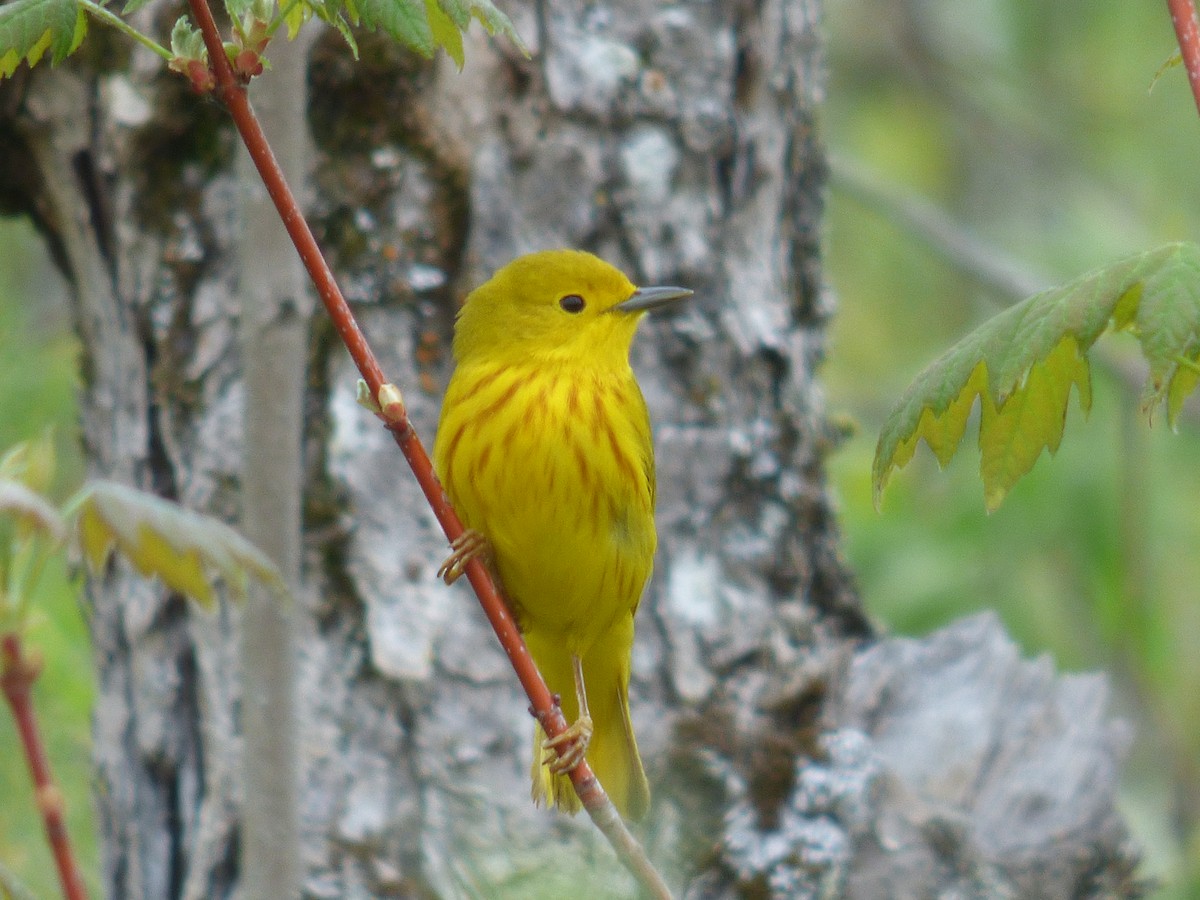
x: 572, y: 303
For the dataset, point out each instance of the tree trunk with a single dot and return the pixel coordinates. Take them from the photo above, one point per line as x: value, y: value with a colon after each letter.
x: 679, y: 142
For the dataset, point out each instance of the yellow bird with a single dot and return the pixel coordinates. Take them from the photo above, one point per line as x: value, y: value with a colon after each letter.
x: 544, y: 449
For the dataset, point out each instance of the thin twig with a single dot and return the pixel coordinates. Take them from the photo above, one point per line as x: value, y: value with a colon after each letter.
x: 17, y: 675
x: 115, y: 21
x: 1187, y: 33
x: 946, y: 236
x: 233, y: 94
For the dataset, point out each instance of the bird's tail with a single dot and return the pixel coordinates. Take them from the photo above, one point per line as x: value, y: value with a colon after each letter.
x: 613, y: 753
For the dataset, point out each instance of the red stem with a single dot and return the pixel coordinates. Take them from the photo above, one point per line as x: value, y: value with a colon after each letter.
x: 1187, y: 32
x: 233, y: 94
x: 17, y: 675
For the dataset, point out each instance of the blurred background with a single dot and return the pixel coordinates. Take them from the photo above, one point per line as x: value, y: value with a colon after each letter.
x: 980, y: 148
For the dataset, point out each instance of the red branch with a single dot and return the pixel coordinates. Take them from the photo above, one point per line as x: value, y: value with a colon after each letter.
x: 1187, y: 32
x: 18, y: 672
x: 231, y: 91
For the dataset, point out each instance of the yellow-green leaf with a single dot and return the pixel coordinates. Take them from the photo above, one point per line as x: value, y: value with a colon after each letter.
x: 1186, y: 377
x: 402, y: 20
x: 31, y: 511
x: 942, y: 429
x: 165, y: 540
x: 13, y: 888
x: 31, y: 462
x: 446, y: 33
x: 295, y: 14
x: 1023, y: 363
x: 487, y: 14
x: 1031, y: 420
x: 28, y: 28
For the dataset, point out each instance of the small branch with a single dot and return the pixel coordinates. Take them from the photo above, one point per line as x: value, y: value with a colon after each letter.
x: 284, y: 10
x: 1190, y: 365
x: 628, y: 850
x: 1187, y: 32
x: 109, y: 18
x: 949, y: 238
x: 17, y: 675
x: 233, y: 94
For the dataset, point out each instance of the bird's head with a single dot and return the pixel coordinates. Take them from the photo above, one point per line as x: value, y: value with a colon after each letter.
x: 556, y: 305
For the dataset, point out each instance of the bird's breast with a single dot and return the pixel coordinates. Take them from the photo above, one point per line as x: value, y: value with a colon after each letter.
x: 556, y: 469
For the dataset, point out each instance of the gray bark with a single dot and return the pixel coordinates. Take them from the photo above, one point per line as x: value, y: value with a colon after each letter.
x: 679, y: 142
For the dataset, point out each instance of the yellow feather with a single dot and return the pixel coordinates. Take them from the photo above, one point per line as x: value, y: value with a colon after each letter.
x: 544, y: 448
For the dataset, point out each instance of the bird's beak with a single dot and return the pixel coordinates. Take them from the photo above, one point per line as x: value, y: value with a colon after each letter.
x: 648, y: 298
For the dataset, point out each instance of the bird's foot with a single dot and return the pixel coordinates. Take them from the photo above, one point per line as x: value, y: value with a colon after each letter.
x: 567, y: 750
x: 464, y: 548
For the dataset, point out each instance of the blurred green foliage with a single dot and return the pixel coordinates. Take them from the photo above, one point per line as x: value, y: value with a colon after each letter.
x: 1033, y: 127
x: 37, y: 384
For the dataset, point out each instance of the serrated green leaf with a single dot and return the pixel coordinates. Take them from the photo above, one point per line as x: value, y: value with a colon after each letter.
x: 186, y: 41
x: 1186, y: 378
x: 1167, y: 317
x: 402, y: 20
x: 493, y: 20
x: 422, y: 25
x: 942, y: 429
x: 1125, y: 312
x: 459, y: 12
x: 165, y: 540
x: 296, y: 13
x: 32, y: 463
x: 237, y: 9
x: 1023, y: 363
x: 347, y: 35
x: 31, y: 511
x: 1031, y: 420
x: 446, y: 33
x: 28, y: 28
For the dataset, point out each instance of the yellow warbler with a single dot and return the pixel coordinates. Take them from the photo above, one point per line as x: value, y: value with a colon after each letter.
x: 544, y: 449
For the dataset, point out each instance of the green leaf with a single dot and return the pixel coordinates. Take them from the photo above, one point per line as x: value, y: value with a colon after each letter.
x: 1023, y: 363
x: 402, y: 20
x: 493, y: 20
x: 347, y: 35
x: 237, y: 9
x: 13, y: 888
x: 1185, y: 381
x: 28, y: 28
x: 164, y: 539
x: 1031, y: 420
x: 459, y: 14
x: 422, y: 25
x: 32, y: 463
x: 338, y: 13
x: 31, y: 510
x: 446, y: 32
x: 186, y: 41
x: 295, y: 14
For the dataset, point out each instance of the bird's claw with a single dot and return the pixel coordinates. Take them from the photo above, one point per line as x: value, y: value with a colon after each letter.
x: 464, y: 548
x: 568, y: 749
